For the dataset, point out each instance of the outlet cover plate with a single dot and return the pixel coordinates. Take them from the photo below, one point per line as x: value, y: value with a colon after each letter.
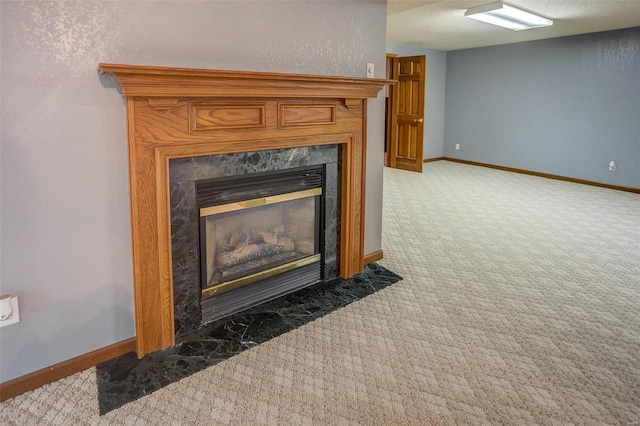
x: 15, y: 318
x: 370, y: 70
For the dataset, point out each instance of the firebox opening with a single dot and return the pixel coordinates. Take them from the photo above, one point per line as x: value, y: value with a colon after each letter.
x: 261, y: 236
x: 256, y: 238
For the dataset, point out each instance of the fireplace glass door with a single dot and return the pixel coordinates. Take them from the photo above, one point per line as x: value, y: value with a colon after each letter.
x: 248, y: 241
x: 260, y: 235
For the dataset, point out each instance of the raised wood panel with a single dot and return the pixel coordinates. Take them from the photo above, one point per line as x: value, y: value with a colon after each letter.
x: 402, y: 89
x: 405, y: 68
x: 409, y: 97
x: 206, y: 117
x: 413, y: 141
x: 415, y: 97
x: 408, y: 150
x: 296, y: 115
x: 159, y: 131
x: 173, y: 126
x: 400, y: 153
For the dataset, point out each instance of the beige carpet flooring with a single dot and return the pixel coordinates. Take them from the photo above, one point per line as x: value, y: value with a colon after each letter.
x: 520, y: 305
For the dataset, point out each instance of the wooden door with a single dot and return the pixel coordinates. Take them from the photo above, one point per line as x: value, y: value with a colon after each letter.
x: 407, y: 127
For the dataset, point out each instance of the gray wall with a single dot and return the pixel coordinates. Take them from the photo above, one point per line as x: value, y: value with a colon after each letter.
x: 434, y: 94
x: 65, y: 225
x: 563, y: 106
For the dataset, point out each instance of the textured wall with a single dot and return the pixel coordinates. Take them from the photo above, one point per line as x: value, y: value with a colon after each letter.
x: 66, y: 249
x: 564, y: 106
x: 434, y: 94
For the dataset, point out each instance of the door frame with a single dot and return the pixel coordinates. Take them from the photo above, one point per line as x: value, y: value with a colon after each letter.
x: 391, y: 108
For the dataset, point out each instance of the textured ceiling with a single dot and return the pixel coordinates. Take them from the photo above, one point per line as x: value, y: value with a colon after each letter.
x: 440, y: 24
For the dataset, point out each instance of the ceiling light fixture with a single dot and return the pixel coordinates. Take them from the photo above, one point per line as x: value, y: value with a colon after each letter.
x: 507, y: 16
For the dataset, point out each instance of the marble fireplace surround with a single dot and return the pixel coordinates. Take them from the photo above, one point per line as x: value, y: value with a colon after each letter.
x: 182, y: 112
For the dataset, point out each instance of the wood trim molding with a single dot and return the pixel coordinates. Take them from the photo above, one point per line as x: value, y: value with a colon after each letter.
x: 63, y: 369
x: 429, y: 160
x: 544, y: 175
x: 162, y: 130
x: 373, y: 257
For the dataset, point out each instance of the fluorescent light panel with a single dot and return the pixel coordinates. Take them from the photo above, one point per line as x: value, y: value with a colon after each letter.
x: 507, y: 16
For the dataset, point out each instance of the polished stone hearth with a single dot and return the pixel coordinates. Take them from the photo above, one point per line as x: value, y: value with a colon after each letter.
x: 127, y: 378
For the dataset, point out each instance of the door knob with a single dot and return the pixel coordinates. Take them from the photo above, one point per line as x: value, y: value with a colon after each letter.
x: 418, y: 120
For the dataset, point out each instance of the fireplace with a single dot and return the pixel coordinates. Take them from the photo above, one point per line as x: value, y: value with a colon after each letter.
x: 204, y: 291
x: 261, y: 236
x: 178, y: 115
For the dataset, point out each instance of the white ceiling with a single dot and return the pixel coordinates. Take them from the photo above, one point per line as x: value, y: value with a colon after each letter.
x: 441, y: 25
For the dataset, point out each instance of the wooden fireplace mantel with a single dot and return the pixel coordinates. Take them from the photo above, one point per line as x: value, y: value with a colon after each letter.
x: 181, y: 82
x: 181, y: 112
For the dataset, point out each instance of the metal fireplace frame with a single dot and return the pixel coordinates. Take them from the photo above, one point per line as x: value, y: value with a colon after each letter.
x: 239, y: 193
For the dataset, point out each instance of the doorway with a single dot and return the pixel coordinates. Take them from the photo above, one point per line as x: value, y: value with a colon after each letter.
x: 404, y: 136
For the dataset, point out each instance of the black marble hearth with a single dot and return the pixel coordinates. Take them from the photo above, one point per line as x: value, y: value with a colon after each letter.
x: 126, y: 378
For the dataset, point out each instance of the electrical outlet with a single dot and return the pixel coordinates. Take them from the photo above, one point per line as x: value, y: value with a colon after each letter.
x: 612, y: 166
x: 15, y: 314
x: 369, y: 69
x: 457, y: 147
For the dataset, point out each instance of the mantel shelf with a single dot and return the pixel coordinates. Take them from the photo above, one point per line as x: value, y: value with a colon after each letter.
x: 149, y: 81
